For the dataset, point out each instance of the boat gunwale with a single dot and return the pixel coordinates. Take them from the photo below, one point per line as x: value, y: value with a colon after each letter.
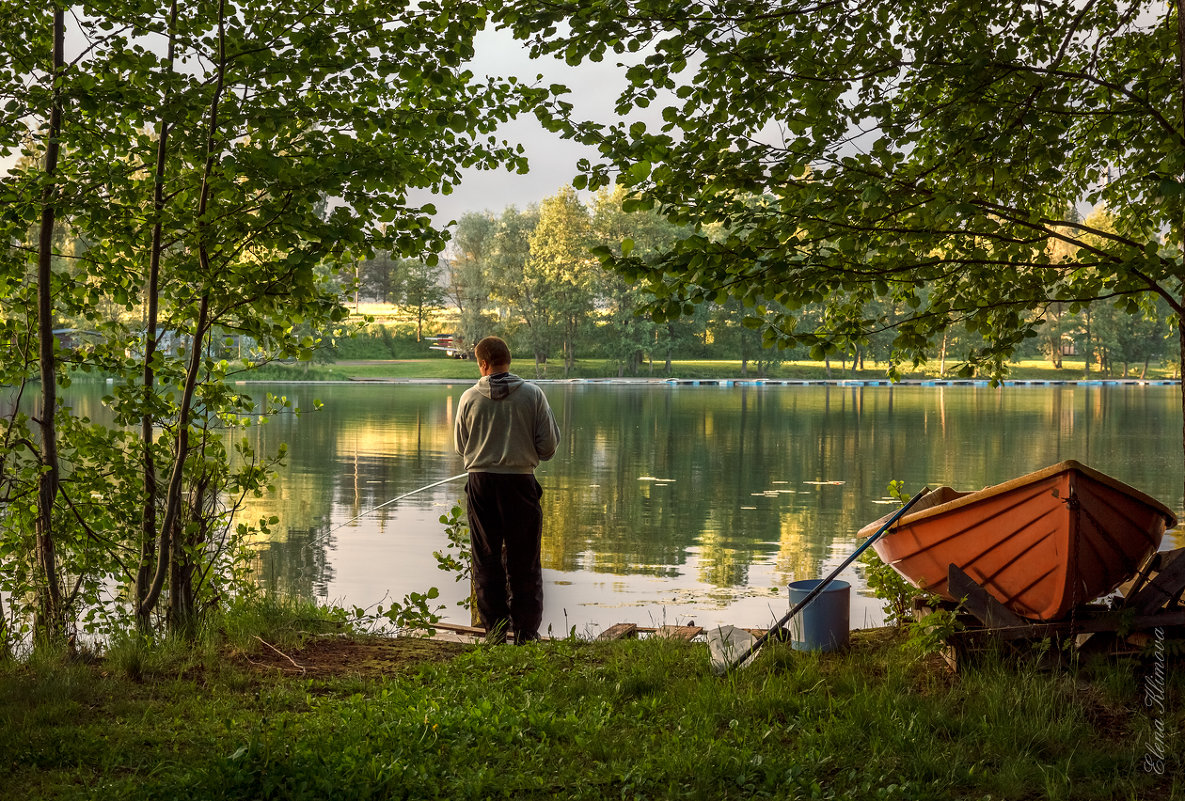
x: 978, y: 496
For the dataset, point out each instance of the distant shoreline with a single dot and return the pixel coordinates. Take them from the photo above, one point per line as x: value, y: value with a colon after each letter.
x: 690, y: 372
x: 759, y: 382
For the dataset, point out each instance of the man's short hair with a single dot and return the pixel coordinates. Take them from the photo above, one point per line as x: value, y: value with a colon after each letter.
x: 493, y: 350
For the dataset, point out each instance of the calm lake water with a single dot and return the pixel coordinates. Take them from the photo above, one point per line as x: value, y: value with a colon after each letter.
x: 673, y: 503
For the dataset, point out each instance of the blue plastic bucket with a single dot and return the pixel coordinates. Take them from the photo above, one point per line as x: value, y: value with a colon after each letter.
x: 822, y: 625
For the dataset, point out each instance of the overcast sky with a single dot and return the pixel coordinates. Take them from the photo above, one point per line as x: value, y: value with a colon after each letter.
x: 553, y: 160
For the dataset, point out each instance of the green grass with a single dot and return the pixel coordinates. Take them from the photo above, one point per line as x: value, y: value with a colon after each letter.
x: 570, y: 719
x: 442, y: 368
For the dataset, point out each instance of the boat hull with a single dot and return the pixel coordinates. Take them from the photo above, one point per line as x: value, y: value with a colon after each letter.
x: 1040, y: 544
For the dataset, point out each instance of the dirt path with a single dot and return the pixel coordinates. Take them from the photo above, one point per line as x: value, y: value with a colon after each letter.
x: 341, y: 656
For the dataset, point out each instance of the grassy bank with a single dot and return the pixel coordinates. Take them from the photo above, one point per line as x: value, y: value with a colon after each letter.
x: 328, y: 717
x: 464, y: 370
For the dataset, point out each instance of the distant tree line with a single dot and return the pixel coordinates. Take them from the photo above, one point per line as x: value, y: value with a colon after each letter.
x: 533, y: 277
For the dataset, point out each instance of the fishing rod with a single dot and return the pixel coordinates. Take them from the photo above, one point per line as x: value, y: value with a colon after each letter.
x: 725, y: 664
x: 386, y: 503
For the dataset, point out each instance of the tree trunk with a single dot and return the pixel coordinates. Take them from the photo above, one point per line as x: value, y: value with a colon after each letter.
x: 206, y: 271
x: 180, y: 456
x: 51, y: 622
x: 5, y: 650
x: 181, y: 597
x: 182, y: 569
x: 570, y: 345
x: 148, y: 531
x: 1181, y: 232
x: 670, y: 339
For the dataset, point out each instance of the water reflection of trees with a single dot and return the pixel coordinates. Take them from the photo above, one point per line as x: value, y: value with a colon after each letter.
x: 727, y: 447
x: 363, y: 447
x: 721, y: 445
x: 739, y: 460
x: 720, y: 449
x: 295, y: 564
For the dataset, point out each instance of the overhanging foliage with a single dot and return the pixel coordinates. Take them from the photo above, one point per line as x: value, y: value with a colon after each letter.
x: 908, y: 164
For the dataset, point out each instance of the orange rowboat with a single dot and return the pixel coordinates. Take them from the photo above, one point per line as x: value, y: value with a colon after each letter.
x: 1040, y: 544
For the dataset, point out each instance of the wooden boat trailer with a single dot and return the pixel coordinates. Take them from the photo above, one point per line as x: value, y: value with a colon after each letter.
x: 1152, y: 600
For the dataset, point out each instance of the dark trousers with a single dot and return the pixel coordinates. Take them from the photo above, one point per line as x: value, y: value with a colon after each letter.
x: 505, y: 531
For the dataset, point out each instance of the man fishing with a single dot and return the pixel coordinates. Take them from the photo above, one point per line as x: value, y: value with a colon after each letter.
x: 504, y: 428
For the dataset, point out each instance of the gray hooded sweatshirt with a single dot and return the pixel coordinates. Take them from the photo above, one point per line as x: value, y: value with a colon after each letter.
x: 504, y: 425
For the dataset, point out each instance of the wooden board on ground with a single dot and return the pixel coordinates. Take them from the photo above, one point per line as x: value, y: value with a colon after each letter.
x: 679, y: 632
x: 477, y: 631
x: 778, y: 635
x: 618, y: 631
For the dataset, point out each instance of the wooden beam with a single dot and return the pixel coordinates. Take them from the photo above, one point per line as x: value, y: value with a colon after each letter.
x: 1111, y: 621
x: 979, y: 601
x: 686, y: 633
x: 460, y: 629
x: 1163, y: 586
x: 618, y: 631
x: 1133, y: 584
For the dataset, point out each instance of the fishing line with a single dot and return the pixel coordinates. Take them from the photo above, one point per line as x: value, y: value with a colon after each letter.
x: 326, y: 535
x: 382, y: 505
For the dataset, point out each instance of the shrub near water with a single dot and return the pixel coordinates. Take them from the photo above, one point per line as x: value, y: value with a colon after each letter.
x: 578, y: 720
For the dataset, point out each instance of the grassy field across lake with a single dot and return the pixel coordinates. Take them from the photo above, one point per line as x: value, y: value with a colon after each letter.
x: 350, y: 717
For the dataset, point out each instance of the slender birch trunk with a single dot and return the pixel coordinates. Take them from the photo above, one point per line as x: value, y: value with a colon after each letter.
x: 50, y: 611
x: 148, y: 532
x: 167, y: 549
